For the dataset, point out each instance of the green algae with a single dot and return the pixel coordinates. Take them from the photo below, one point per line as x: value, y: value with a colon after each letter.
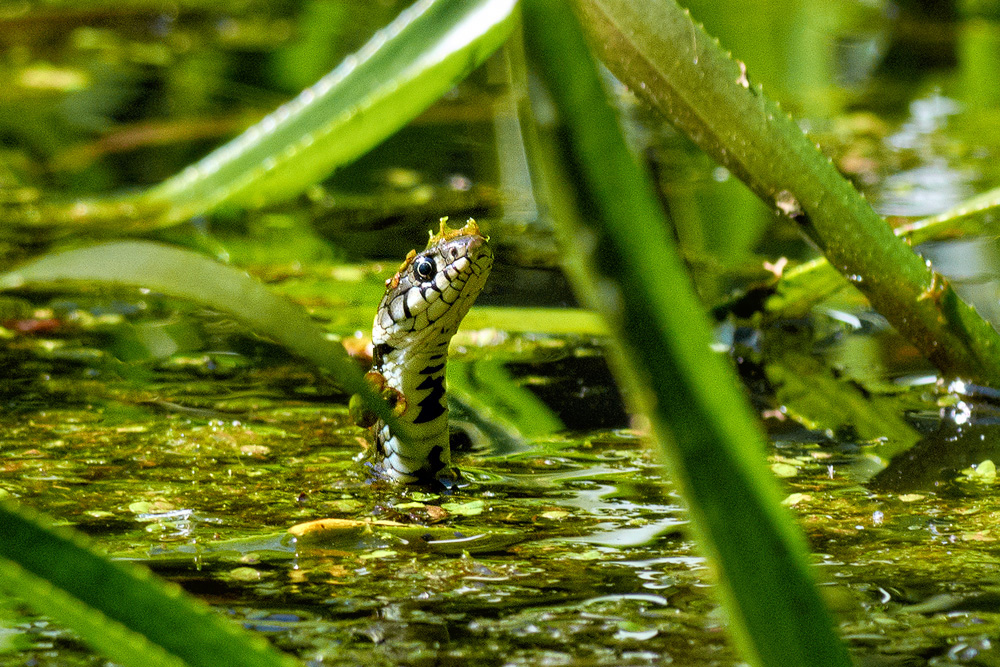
x: 199, y: 470
x: 599, y: 567
x: 196, y: 456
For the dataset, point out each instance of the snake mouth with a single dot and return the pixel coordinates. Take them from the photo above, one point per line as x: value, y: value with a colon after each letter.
x: 479, y: 253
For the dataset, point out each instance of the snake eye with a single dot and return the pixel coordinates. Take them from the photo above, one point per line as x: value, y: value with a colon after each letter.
x: 424, y: 268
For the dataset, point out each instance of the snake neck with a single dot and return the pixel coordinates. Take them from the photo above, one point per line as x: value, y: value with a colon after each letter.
x: 422, y: 307
x: 419, y: 375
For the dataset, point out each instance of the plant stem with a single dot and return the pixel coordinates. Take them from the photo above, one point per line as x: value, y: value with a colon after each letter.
x: 799, y: 289
x: 656, y: 48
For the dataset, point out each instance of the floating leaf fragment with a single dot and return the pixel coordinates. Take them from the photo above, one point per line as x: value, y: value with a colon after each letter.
x: 784, y: 470
x: 471, y: 508
x: 795, y: 498
x: 983, y: 473
x: 245, y: 574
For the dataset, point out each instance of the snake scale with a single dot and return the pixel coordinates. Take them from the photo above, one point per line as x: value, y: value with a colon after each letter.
x: 420, y: 312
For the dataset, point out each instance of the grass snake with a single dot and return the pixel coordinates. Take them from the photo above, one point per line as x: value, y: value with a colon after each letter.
x: 420, y: 312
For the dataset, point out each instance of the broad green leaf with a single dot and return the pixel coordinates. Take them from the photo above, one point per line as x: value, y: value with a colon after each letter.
x: 818, y: 401
x: 400, y: 72
x: 120, y: 609
x: 112, y: 639
x: 657, y: 49
x: 486, y: 388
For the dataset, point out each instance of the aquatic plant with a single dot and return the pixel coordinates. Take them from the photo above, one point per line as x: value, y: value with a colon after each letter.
x: 120, y: 609
x: 615, y: 236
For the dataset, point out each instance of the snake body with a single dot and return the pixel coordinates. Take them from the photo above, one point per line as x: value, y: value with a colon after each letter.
x: 418, y: 315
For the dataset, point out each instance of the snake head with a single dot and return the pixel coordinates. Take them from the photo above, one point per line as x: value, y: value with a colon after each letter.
x: 433, y: 290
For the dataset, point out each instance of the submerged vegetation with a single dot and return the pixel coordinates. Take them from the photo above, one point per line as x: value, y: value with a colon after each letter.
x: 195, y: 237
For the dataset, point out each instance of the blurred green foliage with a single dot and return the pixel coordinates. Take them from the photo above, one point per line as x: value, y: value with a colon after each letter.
x: 101, y: 104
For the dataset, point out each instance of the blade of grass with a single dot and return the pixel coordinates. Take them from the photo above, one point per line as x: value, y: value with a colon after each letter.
x: 655, y: 47
x: 510, y: 319
x: 118, y: 608
x: 955, y: 221
x: 553, y: 321
x: 188, y: 275
x: 623, y: 263
x: 400, y: 72
x: 812, y: 395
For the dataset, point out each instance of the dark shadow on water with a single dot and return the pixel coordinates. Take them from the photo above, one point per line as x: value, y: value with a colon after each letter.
x: 966, y: 437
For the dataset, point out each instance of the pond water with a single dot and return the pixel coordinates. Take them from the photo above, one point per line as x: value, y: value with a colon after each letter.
x: 177, y: 439
x: 568, y: 548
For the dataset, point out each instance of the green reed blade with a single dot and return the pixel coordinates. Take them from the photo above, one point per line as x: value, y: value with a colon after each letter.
x: 400, y: 72
x: 623, y: 263
x: 120, y: 609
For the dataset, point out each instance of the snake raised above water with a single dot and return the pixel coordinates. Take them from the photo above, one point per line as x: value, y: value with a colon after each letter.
x: 420, y: 312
